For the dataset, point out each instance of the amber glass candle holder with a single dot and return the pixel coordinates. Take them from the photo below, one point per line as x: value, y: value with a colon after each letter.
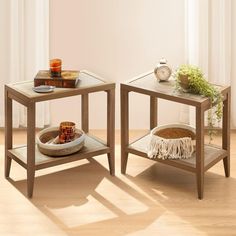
x: 55, y: 67
x: 66, y: 132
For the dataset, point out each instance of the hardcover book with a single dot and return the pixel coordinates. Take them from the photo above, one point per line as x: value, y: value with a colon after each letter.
x: 68, y: 79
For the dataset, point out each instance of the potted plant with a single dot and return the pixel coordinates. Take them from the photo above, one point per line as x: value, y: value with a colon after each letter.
x: 191, y: 79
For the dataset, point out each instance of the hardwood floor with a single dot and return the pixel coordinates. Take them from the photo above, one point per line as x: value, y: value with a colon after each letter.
x: 81, y: 198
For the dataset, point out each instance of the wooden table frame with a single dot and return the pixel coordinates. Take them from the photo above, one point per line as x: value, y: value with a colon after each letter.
x: 22, y: 93
x: 205, y: 156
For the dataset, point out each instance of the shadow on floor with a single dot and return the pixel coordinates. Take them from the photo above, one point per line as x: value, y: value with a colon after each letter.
x: 176, y: 191
x: 151, y: 199
x: 86, y: 200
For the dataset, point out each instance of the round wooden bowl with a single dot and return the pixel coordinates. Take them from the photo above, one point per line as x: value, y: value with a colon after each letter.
x: 173, y: 141
x: 48, y: 142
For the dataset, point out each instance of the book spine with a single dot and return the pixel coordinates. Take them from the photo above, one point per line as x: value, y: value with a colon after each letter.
x: 56, y: 83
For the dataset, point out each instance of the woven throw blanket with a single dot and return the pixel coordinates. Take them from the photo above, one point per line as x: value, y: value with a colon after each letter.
x: 170, y: 148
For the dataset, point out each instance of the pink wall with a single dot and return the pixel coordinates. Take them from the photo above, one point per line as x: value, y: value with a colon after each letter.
x: 117, y: 39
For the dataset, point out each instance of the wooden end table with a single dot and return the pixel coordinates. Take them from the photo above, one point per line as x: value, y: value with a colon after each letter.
x: 205, y: 156
x: 29, y: 156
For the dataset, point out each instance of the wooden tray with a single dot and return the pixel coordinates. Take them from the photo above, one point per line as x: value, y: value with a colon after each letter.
x: 68, y: 79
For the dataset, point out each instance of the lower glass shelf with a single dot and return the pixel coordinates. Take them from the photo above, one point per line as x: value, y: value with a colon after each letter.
x: 92, y: 147
x: 212, y: 154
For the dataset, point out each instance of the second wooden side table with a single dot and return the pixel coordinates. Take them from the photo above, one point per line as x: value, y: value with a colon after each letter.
x: 205, y: 156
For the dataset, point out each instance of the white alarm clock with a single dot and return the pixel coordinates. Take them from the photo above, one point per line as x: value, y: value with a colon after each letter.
x: 162, y: 71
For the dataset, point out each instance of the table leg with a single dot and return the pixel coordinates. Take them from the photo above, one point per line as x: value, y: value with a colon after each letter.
x: 226, y: 133
x: 124, y: 106
x: 200, y: 151
x: 111, y: 129
x: 30, y: 148
x: 85, y: 112
x: 153, y: 112
x: 8, y: 132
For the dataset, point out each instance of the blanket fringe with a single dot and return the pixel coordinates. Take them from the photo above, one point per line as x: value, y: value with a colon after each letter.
x: 170, y: 148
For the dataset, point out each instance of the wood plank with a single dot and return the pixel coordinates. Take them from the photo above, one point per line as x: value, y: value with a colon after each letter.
x: 211, y: 153
x: 13, y: 156
x: 148, y: 85
x: 111, y: 129
x: 226, y: 132
x: 91, y: 148
x: 30, y: 153
x: 200, y: 154
x: 124, y: 132
x: 85, y: 112
x: 153, y: 112
x: 86, y: 84
x: 148, y: 80
x: 17, y: 97
x: 8, y: 132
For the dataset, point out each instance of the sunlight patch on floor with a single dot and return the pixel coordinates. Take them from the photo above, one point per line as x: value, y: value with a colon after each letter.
x: 90, y: 212
x: 116, y: 195
x: 160, y: 193
x: 169, y: 224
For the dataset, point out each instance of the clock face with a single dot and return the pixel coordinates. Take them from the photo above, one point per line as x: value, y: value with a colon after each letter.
x: 163, y: 73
